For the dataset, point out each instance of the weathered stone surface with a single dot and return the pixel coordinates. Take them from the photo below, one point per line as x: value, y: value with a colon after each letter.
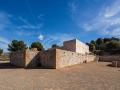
x: 31, y: 58
x: 17, y: 58
x: 27, y: 58
x: 53, y: 58
x: 47, y: 58
x: 109, y: 58
x: 67, y: 58
x: 72, y: 52
x: 76, y: 46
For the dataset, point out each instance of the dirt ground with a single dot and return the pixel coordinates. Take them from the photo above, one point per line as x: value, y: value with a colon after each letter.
x: 89, y: 76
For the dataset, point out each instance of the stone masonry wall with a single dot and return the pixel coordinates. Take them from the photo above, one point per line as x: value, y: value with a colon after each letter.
x: 67, y: 58
x: 70, y: 45
x: 47, y: 58
x: 31, y: 58
x: 17, y: 58
x: 53, y: 58
x: 27, y: 58
x: 116, y: 63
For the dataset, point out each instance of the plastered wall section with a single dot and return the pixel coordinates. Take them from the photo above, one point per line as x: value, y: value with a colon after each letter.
x: 67, y: 58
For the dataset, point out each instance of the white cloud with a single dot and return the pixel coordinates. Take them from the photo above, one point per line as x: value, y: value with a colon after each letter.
x: 27, y: 25
x: 106, y: 22
x: 41, y: 37
x: 113, y: 10
x: 4, y: 40
x: 8, y: 21
x: 115, y: 32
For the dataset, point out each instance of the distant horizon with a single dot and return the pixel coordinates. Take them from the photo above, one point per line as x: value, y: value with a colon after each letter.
x: 53, y: 21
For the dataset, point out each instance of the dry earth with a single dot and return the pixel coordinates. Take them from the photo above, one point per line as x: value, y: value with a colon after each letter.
x: 90, y: 76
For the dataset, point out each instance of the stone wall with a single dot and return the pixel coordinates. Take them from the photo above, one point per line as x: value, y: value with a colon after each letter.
x: 82, y: 47
x: 116, y: 63
x: 67, y: 58
x: 17, y: 58
x: 109, y: 58
x: 69, y: 45
x: 31, y: 58
x: 47, y: 58
x: 27, y: 58
x: 76, y: 46
x: 52, y: 58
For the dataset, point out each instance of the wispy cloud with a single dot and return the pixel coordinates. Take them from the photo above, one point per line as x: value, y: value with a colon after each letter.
x: 4, y: 20
x: 18, y: 26
x: 106, y: 22
x: 27, y: 25
x: 4, y: 43
x: 18, y: 23
x: 48, y: 40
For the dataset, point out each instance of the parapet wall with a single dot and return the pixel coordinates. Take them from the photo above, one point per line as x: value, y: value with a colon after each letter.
x: 67, y: 58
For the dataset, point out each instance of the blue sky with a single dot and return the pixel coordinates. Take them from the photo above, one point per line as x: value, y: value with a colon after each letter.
x: 54, y: 21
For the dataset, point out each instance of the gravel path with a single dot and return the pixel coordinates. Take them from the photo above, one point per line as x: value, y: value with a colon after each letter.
x: 90, y: 76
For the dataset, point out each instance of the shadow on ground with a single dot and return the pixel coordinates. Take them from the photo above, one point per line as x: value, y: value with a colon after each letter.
x: 37, y: 67
x: 110, y: 65
x: 7, y: 65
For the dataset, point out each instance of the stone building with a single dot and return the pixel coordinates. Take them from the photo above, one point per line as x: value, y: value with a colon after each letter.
x: 76, y: 46
x: 72, y: 52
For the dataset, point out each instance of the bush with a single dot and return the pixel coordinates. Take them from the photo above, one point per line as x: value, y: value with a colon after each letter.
x: 1, y: 51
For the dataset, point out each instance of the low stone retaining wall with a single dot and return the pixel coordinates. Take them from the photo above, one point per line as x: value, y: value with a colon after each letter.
x: 109, y: 58
x: 116, y: 63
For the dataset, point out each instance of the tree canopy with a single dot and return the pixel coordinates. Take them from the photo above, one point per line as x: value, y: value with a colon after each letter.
x: 55, y: 46
x: 37, y: 45
x: 1, y: 51
x: 16, y: 45
x: 105, y: 45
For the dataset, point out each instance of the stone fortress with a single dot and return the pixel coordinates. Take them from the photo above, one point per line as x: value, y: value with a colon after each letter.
x: 72, y: 52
